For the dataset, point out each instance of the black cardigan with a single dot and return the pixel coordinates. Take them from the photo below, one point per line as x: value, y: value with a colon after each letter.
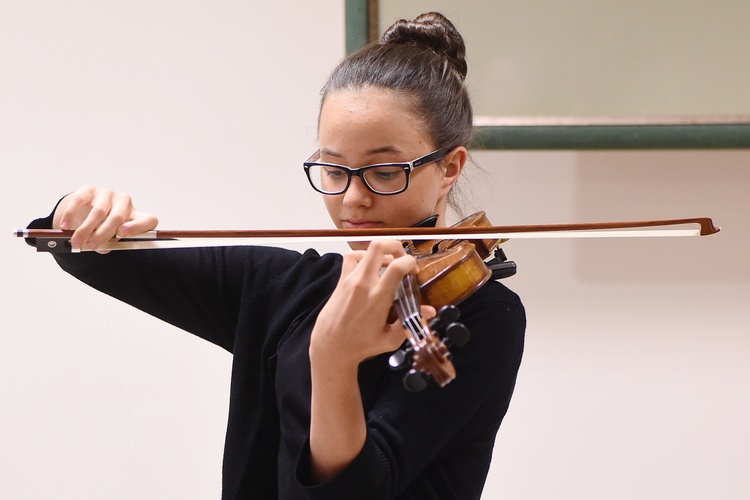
x: 260, y: 303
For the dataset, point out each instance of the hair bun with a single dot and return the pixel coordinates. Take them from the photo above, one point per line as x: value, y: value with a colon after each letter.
x: 434, y: 31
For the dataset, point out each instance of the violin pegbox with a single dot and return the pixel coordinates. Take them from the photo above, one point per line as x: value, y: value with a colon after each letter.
x: 446, y: 327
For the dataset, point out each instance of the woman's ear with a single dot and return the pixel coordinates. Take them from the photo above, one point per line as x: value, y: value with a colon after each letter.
x: 453, y: 165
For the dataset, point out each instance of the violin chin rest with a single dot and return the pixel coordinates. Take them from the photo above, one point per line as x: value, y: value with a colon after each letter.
x: 500, y: 266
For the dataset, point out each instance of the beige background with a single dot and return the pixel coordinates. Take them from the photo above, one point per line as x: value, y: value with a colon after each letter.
x: 634, y: 383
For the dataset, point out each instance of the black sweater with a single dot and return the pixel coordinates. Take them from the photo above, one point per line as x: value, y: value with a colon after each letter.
x: 260, y: 304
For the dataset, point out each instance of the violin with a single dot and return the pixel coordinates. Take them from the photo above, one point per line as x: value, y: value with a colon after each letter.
x: 449, y: 272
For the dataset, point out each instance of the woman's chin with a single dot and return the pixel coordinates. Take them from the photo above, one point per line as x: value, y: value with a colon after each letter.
x: 359, y: 245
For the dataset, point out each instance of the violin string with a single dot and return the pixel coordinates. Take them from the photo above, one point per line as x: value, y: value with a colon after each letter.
x: 407, y: 311
x: 407, y: 303
x: 413, y: 294
x: 412, y: 299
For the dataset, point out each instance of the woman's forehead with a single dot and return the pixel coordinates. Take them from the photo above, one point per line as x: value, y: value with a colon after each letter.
x: 370, y: 119
x: 368, y: 100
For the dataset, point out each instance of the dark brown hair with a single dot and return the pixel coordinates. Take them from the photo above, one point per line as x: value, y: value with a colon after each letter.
x: 423, y: 61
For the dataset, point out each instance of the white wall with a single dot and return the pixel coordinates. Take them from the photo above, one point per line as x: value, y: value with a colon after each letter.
x: 204, y: 111
x: 634, y: 380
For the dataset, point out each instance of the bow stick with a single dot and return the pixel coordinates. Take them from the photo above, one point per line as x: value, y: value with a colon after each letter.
x: 58, y: 241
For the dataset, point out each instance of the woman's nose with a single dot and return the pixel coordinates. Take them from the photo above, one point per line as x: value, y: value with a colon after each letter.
x: 357, y: 194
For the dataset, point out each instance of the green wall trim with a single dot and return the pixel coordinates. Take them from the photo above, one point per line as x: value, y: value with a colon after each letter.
x: 694, y: 136
x: 356, y: 23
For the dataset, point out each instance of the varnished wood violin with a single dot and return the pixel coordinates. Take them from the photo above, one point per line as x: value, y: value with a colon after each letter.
x: 449, y: 272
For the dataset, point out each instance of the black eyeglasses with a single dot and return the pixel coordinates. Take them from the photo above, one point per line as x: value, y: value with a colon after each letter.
x: 382, y: 178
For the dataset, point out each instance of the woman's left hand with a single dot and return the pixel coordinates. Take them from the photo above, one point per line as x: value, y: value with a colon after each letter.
x: 353, y: 326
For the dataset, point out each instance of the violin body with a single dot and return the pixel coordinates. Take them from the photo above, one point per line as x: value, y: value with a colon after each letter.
x: 449, y: 272
x: 483, y: 247
x: 448, y: 276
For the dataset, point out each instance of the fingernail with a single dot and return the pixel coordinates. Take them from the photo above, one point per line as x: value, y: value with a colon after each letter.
x: 64, y: 224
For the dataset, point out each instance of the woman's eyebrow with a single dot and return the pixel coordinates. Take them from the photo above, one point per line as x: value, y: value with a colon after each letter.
x: 384, y: 149
x: 379, y: 150
x: 329, y: 152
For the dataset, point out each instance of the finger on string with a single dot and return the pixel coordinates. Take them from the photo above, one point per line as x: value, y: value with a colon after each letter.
x: 387, y: 259
x: 428, y: 312
x: 394, y: 274
x: 378, y: 253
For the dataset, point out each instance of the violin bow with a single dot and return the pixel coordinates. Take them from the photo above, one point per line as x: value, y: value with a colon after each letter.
x: 58, y: 240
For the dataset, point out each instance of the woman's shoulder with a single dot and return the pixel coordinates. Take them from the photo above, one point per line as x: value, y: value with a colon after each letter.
x: 495, y: 297
x: 285, y: 271
x: 496, y: 320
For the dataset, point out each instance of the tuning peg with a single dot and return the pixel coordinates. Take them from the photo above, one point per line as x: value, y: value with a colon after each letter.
x: 445, y: 316
x: 456, y: 334
x: 400, y: 359
x: 415, y: 381
x: 449, y: 314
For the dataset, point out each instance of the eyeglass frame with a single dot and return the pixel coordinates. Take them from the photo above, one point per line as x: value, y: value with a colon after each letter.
x: 408, y: 167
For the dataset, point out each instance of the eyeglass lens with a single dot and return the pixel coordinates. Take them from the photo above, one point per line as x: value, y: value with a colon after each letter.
x: 381, y: 179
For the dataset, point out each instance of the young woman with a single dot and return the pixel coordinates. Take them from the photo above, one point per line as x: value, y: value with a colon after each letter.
x: 315, y: 411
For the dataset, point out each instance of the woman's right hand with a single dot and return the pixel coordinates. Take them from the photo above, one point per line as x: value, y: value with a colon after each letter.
x: 98, y: 215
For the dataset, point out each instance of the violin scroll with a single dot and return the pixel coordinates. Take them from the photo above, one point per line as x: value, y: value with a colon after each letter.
x: 430, y: 358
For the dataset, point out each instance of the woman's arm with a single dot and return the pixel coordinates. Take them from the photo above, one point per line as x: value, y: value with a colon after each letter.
x: 351, y: 327
x: 440, y: 439
x: 198, y: 290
